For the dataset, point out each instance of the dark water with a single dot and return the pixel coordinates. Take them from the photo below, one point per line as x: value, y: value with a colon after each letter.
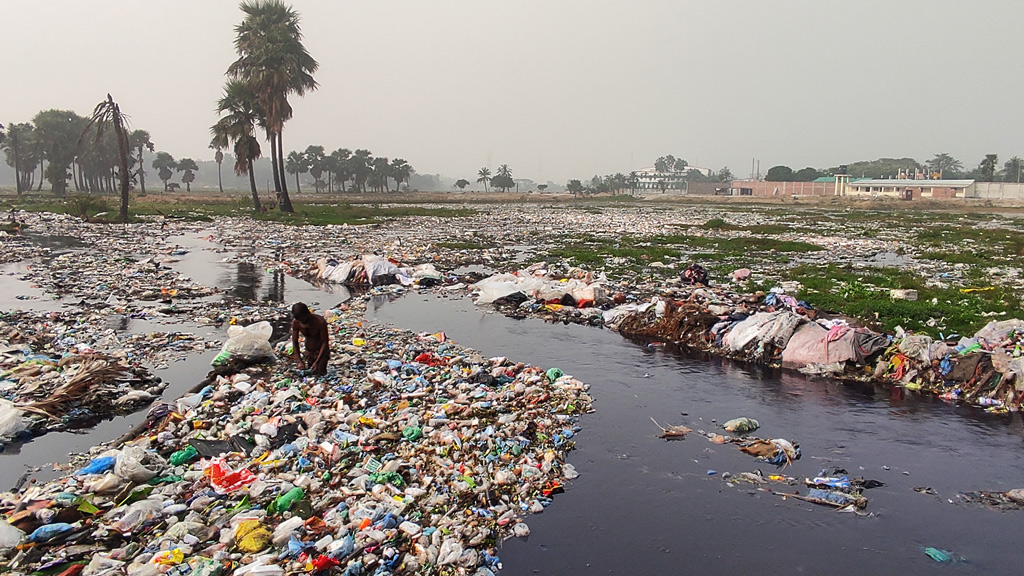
x: 643, y: 505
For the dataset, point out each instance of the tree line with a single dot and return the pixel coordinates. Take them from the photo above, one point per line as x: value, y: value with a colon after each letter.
x: 358, y: 169
x: 940, y: 166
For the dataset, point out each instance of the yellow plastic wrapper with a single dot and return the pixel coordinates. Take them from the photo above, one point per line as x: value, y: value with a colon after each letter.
x: 251, y: 536
x: 171, y: 557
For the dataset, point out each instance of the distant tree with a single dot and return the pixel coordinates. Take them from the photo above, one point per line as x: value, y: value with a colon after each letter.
x: 679, y: 165
x: 503, y: 178
x: 633, y: 181
x: 461, y: 183
x: 339, y: 165
x: 725, y: 175
x: 693, y: 175
x: 165, y: 165
x: 400, y: 171
x: 295, y: 164
x: 1011, y: 171
x: 540, y: 187
x: 239, y: 115
x: 57, y: 135
x: 139, y: 142
x: 987, y: 168
x: 575, y: 187
x: 945, y: 165
x: 880, y: 168
x: 779, y: 174
x: 107, y: 116
x: 315, y: 156
x: 218, y: 157
x: 484, y: 175
x: 665, y: 163
x: 381, y: 171
x: 189, y: 168
x: 806, y: 175
x: 21, y: 154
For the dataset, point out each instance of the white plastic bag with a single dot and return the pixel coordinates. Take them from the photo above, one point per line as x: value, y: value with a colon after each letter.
x: 250, y: 343
x: 130, y: 467
x: 11, y: 420
x: 9, y: 536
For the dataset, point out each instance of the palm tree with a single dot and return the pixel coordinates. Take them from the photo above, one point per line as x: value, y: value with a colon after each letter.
x: 108, y: 113
x: 273, y: 61
x: 340, y: 166
x: 296, y: 164
x: 189, y: 167
x: 164, y: 164
x: 400, y: 171
x: 484, y: 176
x: 945, y: 165
x: 240, y: 114
x: 139, y: 141
x: 988, y: 167
x: 218, y: 157
x: 360, y: 164
x: 315, y: 160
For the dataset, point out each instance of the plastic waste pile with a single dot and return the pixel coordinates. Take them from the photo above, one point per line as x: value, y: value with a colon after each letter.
x: 373, y: 270
x: 52, y: 378
x: 986, y: 369
x: 412, y: 455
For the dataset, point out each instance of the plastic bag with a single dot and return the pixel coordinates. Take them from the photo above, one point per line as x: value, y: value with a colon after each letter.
x: 50, y: 531
x: 249, y: 343
x: 98, y: 466
x: 252, y: 537
x: 9, y: 536
x: 11, y: 420
x: 224, y: 479
x: 138, y: 514
x: 129, y: 465
x: 107, y: 483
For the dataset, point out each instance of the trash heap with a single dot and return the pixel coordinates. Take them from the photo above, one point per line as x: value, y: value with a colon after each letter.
x: 371, y: 270
x: 412, y: 455
x: 112, y: 275
x: 57, y: 373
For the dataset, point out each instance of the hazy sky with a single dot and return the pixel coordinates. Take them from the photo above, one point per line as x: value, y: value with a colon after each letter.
x: 557, y: 89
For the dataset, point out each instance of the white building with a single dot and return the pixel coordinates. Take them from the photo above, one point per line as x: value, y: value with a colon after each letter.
x: 651, y: 179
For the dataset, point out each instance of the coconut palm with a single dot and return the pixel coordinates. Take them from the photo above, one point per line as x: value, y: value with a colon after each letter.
x: 139, y: 142
x: 21, y: 153
x: 484, y: 175
x: 273, y: 61
x: 296, y: 164
x: 315, y: 160
x: 107, y: 115
x: 240, y: 115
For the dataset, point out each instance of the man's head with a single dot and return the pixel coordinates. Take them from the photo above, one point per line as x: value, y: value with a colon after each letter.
x: 300, y: 312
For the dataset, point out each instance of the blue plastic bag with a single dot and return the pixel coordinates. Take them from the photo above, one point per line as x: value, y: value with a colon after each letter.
x: 98, y: 466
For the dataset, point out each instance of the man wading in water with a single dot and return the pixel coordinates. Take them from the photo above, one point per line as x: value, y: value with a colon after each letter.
x: 314, y: 328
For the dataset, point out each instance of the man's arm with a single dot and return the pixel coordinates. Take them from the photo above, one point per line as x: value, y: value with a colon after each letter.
x: 296, y: 353
x: 325, y: 343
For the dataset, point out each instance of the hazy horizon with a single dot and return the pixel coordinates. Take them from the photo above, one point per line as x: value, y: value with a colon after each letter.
x: 558, y: 90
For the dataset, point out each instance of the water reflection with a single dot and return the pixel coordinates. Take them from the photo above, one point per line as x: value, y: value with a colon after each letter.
x: 275, y: 292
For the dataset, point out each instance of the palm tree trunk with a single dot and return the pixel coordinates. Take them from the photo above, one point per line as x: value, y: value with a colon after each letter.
x: 273, y: 161
x: 142, y: 173
x: 220, y: 181
x: 297, y: 187
x: 286, y: 201
x: 42, y: 174
x: 255, y: 194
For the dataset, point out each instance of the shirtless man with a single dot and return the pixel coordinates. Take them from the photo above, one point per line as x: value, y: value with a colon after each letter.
x: 314, y: 328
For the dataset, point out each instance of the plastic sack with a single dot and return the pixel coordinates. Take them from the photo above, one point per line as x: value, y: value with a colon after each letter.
x: 9, y: 536
x: 50, y: 531
x: 107, y: 483
x: 249, y: 343
x: 138, y: 514
x: 225, y: 480
x: 129, y: 465
x: 11, y: 420
x: 183, y: 456
x: 741, y: 425
x: 98, y: 466
x: 252, y: 537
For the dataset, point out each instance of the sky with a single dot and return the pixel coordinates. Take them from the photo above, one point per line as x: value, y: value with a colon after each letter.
x: 557, y: 89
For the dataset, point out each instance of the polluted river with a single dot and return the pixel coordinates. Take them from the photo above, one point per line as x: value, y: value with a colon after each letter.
x: 647, y: 505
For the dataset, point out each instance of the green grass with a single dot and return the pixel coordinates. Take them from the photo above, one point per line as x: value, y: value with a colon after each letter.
x: 864, y: 294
